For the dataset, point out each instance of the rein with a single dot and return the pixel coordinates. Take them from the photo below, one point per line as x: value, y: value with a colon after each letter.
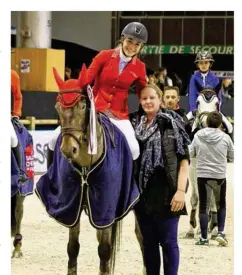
x: 67, y: 131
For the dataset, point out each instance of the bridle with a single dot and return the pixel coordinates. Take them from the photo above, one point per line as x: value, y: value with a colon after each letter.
x: 67, y: 131
x: 199, y: 117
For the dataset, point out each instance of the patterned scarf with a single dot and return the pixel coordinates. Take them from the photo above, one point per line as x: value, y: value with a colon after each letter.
x: 151, y: 139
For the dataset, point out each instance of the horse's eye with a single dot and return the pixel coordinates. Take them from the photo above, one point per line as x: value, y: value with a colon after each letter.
x: 83, y: 106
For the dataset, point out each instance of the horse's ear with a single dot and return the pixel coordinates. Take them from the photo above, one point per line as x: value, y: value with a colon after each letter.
x: 58, y: 79
x: 82, y: 79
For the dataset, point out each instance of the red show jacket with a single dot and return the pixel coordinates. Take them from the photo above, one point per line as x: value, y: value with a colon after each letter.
x: 17, y: 95
x: 111, y: 88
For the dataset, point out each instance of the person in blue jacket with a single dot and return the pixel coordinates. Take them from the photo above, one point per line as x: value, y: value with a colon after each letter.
x: 202, y: 78
x: 205, y: 78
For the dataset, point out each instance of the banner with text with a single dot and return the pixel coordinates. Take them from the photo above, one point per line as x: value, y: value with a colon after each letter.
x: 187, y: 49
x: 40, y: 140
x: 223, y: 74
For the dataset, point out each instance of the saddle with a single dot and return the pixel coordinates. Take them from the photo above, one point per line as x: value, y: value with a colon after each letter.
x: 109, y: 129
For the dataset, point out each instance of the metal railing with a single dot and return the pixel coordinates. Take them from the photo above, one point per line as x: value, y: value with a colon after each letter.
x: 30, y: 122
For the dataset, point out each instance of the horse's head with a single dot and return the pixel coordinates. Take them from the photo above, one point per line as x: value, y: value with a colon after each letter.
x: 73, y: 107
x: 207, y: 102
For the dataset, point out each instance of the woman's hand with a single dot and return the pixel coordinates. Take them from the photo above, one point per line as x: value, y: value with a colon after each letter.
x: 178, y: 201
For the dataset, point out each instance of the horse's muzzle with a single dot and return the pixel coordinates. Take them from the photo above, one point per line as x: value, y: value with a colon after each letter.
x: 69, y: 147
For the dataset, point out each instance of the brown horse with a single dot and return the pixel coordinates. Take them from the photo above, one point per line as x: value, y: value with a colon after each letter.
x: 74, y: 146
x: 74, y: 109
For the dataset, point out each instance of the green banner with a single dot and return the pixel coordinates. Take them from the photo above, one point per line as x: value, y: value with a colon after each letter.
x: 187, y: 49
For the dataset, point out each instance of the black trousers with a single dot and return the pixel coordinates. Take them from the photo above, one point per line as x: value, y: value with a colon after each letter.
x: 206, y: 188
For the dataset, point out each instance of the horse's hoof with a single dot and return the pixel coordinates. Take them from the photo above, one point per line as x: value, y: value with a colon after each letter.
x: 72, y: 271
x: 17, y: 254
x: 190, y: 235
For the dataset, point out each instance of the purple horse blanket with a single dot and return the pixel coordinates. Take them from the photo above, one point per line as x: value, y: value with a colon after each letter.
x: 111, y: 191
x: 26, y: 147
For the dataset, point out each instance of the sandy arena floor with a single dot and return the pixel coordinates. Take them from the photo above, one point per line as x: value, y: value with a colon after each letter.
x: 45, y: 242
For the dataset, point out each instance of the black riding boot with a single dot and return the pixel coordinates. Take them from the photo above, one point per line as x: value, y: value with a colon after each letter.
x: 50, y: 155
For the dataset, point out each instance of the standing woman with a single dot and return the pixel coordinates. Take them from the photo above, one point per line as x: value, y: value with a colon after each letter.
x: 162, y: 176
x: 113, y: 72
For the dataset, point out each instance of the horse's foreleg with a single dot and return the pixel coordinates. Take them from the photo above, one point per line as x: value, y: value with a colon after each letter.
x: 17, y: 253
x: 73, y: 249
x: 140, y: 241
x: 109, y: 243
x: 194, y: 198
x: 104, y: 250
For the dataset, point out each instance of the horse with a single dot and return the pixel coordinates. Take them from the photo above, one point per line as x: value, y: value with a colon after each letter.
x: 207, y: 102
x: 20, y: 186
x: 91, y: 171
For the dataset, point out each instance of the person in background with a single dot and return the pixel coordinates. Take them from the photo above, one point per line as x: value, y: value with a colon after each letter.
x: 16, y: 113
x: 212, y: 147
x: 17, y: 99
x: 171, y: 98
x: 177, y: 81
x: 227, y: 89
x: 152, y: 79
x: 68, y: 73
x: 162, y: 78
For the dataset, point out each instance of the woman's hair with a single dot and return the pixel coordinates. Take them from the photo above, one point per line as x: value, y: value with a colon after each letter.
x: 156, y: 88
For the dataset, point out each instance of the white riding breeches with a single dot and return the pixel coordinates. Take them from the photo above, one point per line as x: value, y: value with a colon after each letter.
x: 124, y: 126
x: 14, y: 139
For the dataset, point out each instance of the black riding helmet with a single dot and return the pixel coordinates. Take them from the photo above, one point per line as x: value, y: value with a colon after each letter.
x: 137, y: 31
x: 204, y: 56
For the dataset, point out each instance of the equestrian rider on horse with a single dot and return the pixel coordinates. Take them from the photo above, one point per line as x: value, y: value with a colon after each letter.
x: 15, y: 114
x: 204, y: 78
x: 113, y: 73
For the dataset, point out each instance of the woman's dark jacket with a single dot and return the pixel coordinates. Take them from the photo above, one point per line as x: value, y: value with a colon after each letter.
x: 188, y: 126
x: 162, y: 186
